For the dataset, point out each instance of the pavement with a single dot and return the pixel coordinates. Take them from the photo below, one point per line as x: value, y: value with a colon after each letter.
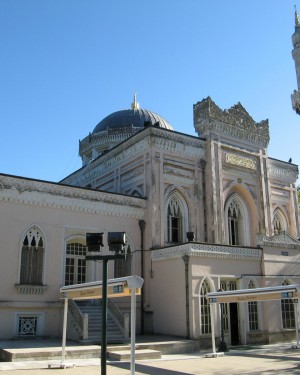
x: 259, y: 360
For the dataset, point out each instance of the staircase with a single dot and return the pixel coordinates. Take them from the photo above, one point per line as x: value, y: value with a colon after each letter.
x: 93, y: 313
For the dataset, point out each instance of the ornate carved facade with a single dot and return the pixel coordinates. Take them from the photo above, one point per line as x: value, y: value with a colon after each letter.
x: 199, y: 212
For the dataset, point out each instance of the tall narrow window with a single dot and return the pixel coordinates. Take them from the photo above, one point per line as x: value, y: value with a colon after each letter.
x: 122, y: 267
x: 252, y: 311
x: 205, y: 309
x: 227, y: 285
x: 287, y: 311
x: 174, y: 218
x: 234, y: 215
x: 237, y: 219
x: 75, y: 268
x: 32, y: 258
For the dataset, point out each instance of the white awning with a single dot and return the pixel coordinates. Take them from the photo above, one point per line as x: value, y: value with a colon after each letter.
x: 120, y: 287
x: 257, y: 294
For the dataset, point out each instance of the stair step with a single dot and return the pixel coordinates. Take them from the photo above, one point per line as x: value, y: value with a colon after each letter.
x: 125, y: 355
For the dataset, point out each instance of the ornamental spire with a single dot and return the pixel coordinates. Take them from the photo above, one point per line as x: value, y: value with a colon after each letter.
x: 297, y: 22
x: 135, y: 104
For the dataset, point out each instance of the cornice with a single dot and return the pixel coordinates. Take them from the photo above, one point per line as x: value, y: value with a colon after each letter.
x: 206, y: 251
x: 282, y: 240
x: 43, y: 194
x: 155, y: 138
x: 283, y: 171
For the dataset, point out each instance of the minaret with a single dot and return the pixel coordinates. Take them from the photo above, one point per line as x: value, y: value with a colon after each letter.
x: 296, y: 56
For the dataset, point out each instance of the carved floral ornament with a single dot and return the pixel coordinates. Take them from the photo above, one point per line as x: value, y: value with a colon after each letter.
x: 240, y: 161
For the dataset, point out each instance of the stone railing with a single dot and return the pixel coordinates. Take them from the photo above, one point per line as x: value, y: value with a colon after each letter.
x: 195, y: 249
x: 79, y: 321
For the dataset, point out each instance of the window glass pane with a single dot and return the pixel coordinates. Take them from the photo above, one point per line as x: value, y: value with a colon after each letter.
x: 205, y: 309
x: 32, y: 258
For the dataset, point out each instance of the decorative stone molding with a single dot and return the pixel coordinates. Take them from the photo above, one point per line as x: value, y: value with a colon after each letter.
x: 31, y: 289
x: 161, y: 140
x: 234, y: 122
x: 46, y: 194
x: 282, y: 240
x: 206, y: 251
x: 240, y: 161
x: 132, y: 174
x: 168, y: 169
x: 283, y: 171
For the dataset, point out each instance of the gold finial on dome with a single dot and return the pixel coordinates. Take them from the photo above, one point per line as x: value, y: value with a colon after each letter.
x: 297, y: 22
x: 135, y: 104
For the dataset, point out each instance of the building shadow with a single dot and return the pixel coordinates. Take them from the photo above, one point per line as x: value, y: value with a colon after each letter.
x: 144, y: 369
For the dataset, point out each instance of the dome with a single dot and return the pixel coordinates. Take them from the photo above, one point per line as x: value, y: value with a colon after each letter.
x: 131, y: 118
x: 116, y: 128
x: 134, y: 117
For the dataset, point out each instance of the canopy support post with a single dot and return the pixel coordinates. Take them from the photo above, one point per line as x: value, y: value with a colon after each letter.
x: 132, y: 333
x: 64, y: 337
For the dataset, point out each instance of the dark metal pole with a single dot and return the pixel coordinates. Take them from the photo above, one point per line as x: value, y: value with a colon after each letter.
x: 104, y: 318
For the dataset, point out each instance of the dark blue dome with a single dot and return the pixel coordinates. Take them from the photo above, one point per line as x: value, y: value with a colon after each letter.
x: 128, y: 118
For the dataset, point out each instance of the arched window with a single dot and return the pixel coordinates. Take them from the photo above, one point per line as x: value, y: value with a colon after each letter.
x: 252, y: 311
x: 75, y: 267
x: 287, y: 311
x: 205, y: 324
x: 32, y: 257
x: 122, y: 267
x: 237, y: 221
x: 279, y: 222
x: 175, y: 218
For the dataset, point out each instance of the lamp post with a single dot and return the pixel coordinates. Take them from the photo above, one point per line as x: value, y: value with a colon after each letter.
x: 223, y: 345
x: 116, y: 242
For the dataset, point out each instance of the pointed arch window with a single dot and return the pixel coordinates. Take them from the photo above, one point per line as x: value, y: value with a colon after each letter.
x: 252, y: 311
x: 32, y: 257
x: 287, y: 311
x: 236, y: 215
x: 205, y: 309
x: 174, y: 220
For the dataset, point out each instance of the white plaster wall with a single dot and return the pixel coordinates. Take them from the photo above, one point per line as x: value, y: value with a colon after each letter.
x: 168, y: 297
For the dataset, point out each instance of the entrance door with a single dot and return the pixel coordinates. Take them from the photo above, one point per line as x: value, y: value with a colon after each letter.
x: 75, y: 269
x: 234, y: 324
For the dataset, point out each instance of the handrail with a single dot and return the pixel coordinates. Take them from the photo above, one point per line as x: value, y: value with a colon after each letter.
x: 116, y: 313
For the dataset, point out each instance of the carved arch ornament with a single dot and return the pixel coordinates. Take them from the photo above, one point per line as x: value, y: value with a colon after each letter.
x: 279, y: 222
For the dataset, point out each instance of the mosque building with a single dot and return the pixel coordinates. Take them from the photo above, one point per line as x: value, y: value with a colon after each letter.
x: 200, y: 213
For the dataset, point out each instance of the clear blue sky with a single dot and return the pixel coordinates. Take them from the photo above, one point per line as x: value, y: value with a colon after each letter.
x: 66, y: 64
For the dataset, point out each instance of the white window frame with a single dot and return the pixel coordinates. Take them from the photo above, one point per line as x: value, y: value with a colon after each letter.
x: 205, y: 320
x: 80, y: 241
x: 290, y: 303
x: 254, y: 304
